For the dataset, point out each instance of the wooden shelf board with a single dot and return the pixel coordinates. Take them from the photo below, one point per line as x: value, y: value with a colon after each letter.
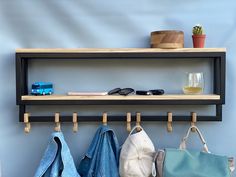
x: 117, y: 50
x: 117, y: 97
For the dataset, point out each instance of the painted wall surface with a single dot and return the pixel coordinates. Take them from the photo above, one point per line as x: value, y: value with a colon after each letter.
x: 123, y: 23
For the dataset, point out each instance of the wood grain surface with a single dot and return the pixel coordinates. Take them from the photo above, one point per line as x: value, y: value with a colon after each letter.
x: 116, y: 50
x: 118, y: 97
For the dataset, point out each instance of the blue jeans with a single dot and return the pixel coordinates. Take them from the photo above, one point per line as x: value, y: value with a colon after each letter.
x: 102, y: 157
x: 57, y: 160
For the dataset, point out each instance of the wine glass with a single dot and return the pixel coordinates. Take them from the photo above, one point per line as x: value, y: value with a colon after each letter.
x: 194, y: 83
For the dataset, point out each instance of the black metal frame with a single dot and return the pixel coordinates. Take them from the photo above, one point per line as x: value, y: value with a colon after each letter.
x: 219, y: 65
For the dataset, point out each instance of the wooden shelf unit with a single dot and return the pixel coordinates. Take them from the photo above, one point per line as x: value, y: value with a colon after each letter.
x: 23, y: 56
x: 115, y: 99
x: 118, y: 97
x: 120, y: 50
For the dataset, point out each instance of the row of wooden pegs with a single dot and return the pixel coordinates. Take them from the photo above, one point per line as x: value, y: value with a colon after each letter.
x: 57, y: 127
x: 104, y: 121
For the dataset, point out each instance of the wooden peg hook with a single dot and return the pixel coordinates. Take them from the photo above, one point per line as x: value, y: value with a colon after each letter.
x: 128, y: 121
x: 57, y: 122
x: 75, y: 122
x: 138, y: 121
x: 27, y: 123
x: 169, y: 122
x: 104, y: 118
x: 194, y: 120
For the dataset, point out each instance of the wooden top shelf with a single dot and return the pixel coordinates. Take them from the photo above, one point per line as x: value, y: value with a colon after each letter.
x: 117, y: 50
x: 117, y: 97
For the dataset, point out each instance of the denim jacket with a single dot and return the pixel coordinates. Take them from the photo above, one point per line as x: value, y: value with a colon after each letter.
x: 102, y: 157
x: 57, y: 160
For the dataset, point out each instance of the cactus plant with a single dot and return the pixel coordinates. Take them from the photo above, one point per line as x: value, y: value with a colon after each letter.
x: 198, y: 30
x: 198, y: 36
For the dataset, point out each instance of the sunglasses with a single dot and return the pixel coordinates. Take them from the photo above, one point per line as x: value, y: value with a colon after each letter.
x: 127, y: 91
x: 124, y: 91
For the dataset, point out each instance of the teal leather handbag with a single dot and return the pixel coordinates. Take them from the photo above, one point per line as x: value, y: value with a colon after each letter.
x: 188, y: 163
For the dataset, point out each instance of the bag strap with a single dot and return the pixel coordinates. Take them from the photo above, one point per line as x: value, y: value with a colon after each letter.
x: 137, y: 126
x: 231, y: 164
x: 182, y: 145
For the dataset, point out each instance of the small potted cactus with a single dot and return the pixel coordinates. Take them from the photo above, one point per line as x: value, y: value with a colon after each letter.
x: 198, y: 37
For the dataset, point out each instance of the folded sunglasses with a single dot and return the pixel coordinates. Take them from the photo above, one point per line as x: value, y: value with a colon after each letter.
x: 124, y: 91
x: 127, y: 91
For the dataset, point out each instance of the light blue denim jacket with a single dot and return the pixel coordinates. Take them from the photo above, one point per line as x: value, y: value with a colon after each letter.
x: 102, y: 157
x: 57, y: 160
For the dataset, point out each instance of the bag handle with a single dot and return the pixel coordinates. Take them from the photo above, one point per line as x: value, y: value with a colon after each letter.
x: 137, y: 126
x: 182, y: 145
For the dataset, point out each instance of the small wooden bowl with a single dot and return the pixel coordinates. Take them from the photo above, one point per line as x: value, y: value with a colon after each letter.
x: 167, y: 39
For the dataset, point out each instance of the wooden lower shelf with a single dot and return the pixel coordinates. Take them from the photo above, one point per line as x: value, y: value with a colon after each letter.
x: 118, y: 97
x: 209, y: 99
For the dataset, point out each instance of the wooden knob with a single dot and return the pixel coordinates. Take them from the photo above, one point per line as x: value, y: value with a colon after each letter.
x: 27, y: 123
x: 57, y: 122
x: 104, y: 118
x: 128, y: 121
x: 138, y: 121
x: 75, y: 122
x: 169, y: 122
x: 194, y: 120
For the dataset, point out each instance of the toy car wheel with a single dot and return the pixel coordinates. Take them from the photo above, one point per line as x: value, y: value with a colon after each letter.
x: 50, y: 93
x: 44, y: 93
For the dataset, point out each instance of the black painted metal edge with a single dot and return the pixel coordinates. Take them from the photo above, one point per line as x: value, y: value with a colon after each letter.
x: 120, y: 102
x: 123, y: 55
x: 118, y: 118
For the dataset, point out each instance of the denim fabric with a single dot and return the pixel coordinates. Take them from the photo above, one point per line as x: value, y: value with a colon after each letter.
x: 102, y: 157
x: 57, y: 160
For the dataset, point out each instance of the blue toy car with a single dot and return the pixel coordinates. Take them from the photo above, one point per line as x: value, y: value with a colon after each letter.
x: 42, y: 88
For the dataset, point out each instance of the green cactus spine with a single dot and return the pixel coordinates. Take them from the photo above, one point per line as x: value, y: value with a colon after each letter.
x: 198, y: 30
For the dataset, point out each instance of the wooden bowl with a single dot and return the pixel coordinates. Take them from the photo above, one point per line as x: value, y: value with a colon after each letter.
x: 167, y: 39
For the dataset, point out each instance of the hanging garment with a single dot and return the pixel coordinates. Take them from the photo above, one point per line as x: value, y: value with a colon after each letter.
x: 158, y: 160
x: 102, y: 157
x: 137, y: 154
x: 57, y: 160
x: 182, y: 162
